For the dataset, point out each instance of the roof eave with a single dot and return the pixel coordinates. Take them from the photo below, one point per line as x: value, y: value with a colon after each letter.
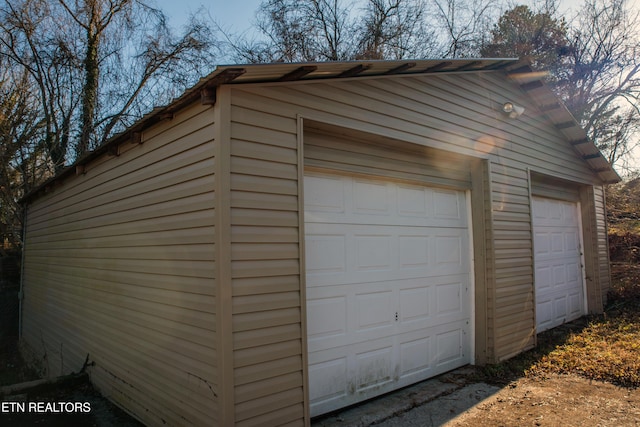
x: 205, y: 91
x: 532, y: 82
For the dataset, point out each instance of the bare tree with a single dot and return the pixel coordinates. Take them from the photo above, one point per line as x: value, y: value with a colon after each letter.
x: 395, y: 29
x: 331, y: 18
x: 592, y: 61
x: 31, y: 42
x: 22, y: 164
x: 304, y: 30
x: 96, y: 64
x: 72, y: 74
x: 465, y: 25
x: 602, y: 84
x: 331, y: 30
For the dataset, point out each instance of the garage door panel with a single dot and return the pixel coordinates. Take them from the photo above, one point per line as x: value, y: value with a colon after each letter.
x: 327, y: 318
x: 389, y: 264
x: 369, y: 197
x: 560, y: 308
x: 351, y: 314
x: 355, y: 254
x: 324, y: 195
x: 559, y: 279
x: 554, y: 245
x: 357, y: 201
x: 326, y: 253
x: 413, y: 202
x: 415, y: 305
x: 572, y: 241
x: 416, y: 357
x: 329, y: 378
x: 373, y: 310
x: 413, y: 251
x: 373, y: 252
x: 370, y: 368
x: 450, y: 347
x: 575, y: 306
x: 448, y: 205
x: 338, y: 315
x: 360, y: 219
x: 543, y: 278
x: 448, y: 250
x: 374, y: 368
x: 449, y: 299
x: 574, y: 277
x: 544, y: 313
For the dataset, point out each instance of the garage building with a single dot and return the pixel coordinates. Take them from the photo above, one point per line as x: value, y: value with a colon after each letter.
x: 284, y: 240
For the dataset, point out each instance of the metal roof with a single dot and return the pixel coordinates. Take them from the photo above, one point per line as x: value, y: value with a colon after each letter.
x: 205, y: 90
x: 283, y: 72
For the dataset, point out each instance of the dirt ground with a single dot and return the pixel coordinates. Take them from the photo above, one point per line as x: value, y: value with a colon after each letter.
x: 566, y: 400
x: 97, y: 411
x: 557, y: 401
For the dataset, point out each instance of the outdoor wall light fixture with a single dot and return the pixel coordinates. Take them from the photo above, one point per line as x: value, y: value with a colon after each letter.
x: 512, y: 110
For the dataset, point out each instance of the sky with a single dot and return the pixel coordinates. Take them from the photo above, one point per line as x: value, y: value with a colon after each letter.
x: 233, y: 15
x: 237, y: 16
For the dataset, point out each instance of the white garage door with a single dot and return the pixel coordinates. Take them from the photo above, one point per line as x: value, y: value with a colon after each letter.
x: 559, y: 282
x: 388, y: 286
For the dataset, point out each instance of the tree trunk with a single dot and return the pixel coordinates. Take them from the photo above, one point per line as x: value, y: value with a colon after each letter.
x: 90, y: 88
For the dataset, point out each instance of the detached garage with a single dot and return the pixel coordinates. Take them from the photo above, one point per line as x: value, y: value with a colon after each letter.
x: 284, y: 240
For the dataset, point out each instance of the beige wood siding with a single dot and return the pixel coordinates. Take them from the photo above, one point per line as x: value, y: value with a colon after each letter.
x: 603, y: 242
x: 265, y: 268
x: 484, y: 262
x: 599, y: 273
x: 360, y: 153
x: 459, y: 113
x: 119, y: 267
x: 593, y: 229
x: 188, y: 291
x: 555, y: 190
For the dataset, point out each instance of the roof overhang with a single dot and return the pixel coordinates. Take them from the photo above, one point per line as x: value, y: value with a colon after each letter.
x: 557, y: 113
x: 205, y: 91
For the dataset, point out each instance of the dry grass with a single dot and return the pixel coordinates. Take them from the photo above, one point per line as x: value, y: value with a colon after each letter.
x: 608, y: 348
x: 605, y: 348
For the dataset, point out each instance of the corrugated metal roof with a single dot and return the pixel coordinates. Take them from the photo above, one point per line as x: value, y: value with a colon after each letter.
x: 280, y: 72
x: 530, y: 81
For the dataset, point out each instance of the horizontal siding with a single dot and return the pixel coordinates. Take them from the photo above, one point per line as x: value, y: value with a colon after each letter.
x: 603, y: 266
x: 487, y: 299
x: 135, y: 234
x: 119, y: 266
x: 554, y: 188
x: 513, y: 307
x: 455, y: 113
x: 269, y: 411
x: 265, y: 268
x: 261, y: 371
x: 476, y: 127
x: 139, y: 208
x: 391, y: 159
